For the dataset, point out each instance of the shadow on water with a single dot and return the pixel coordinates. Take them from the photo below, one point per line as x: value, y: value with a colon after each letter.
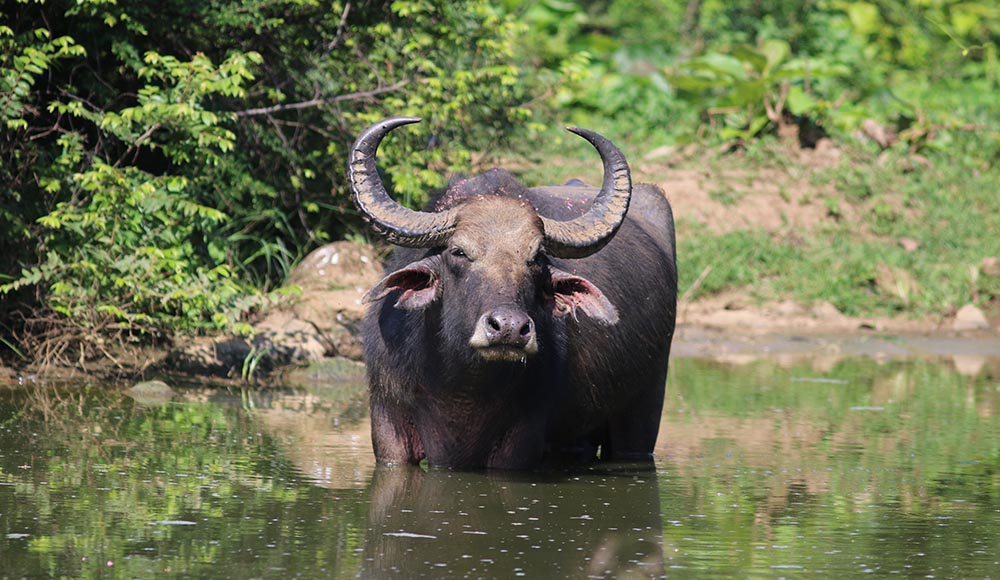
x: 765, y: 468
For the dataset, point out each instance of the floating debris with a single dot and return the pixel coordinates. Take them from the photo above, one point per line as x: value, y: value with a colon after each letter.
x: 409, y: 535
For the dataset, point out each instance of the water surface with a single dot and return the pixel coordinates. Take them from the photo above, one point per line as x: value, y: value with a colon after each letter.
x: 767, y: 469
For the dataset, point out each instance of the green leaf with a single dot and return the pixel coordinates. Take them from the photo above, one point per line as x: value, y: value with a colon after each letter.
x: 745, y: 94
x: 798, y: 102
x: 756, y: 59
x: 757, y: 124
x: 864, y: 17
x: 723, y: 64
x: 775, y: 51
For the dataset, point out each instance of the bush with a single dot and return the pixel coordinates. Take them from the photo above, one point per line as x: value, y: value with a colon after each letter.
x: 669, y: 70
x: 165, y: 163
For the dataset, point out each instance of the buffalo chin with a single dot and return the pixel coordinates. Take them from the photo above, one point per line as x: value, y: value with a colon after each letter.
x: 503, y: 354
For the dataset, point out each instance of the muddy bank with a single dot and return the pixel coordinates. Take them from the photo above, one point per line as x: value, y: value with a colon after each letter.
x: 697, y: 341
x: 969, y: 353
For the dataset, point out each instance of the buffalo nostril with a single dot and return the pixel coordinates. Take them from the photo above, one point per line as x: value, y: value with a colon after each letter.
x: 507, y: 327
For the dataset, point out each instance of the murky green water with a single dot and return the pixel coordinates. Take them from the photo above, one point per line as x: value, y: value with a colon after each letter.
x: 764, y: 470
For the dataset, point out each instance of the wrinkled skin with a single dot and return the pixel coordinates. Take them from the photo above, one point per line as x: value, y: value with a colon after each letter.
x: 487, y: 352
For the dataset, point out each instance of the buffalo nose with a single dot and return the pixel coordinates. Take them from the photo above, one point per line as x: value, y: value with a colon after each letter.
x: 508, y: 326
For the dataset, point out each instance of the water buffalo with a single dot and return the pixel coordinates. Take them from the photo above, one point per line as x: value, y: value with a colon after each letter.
x: 518, y: 324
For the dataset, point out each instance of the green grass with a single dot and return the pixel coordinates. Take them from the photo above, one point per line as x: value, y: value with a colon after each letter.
x: 950, y: 206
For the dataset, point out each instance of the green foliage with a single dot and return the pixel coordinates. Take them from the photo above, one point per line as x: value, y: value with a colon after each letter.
x: 750, y: 257
x: 119, y: 252
x: 164, y: 165
x: 598, y: 65
x: 654, y: 70
x: 751, y: 88
x: 28, y: 58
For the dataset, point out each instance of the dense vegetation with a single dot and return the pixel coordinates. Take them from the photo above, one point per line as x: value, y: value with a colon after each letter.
x: 164, y: 165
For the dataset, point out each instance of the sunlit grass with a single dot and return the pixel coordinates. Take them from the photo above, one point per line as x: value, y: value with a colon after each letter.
x: 947, y: 201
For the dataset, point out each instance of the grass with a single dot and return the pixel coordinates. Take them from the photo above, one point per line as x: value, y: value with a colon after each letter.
x: 950, y: 206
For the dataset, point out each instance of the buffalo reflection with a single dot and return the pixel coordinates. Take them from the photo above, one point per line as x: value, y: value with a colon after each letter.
x: 602, y: 523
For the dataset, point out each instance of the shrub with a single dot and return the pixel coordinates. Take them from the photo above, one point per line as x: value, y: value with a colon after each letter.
x: 163, y: 164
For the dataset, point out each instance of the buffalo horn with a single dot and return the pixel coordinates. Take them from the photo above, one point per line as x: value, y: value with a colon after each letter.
x: 397, y: 224
x: 588, y: 233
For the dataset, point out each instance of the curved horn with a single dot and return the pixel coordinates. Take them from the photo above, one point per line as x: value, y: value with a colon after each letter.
x: 584, y: 235
x: 397, y: 224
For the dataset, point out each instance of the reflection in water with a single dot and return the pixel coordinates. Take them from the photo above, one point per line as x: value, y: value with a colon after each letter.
x: 443, y: 524
x: 799, y: 469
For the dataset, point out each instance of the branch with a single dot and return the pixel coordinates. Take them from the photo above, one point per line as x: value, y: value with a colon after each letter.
x: 316, y: 102
x: 340, y: 29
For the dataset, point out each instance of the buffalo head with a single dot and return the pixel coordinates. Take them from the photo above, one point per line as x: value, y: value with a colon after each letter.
x: 488, y: 273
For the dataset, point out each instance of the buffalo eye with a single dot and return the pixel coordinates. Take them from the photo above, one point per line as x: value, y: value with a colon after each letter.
x: 458, y: 259
x: 538, y: 260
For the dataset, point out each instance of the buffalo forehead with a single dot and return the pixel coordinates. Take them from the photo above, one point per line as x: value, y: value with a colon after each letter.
x: 496, y: 225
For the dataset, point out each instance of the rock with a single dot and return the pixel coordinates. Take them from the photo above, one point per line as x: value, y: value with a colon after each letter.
x: 969, y: 317
x: 333, y: 279
x: 337, y: 266
x: 321, y: 321
x: 292, y: 341
x: 990, y: 266
x: 151, y: 393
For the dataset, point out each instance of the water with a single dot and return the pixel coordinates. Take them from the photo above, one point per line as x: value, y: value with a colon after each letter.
x: 763, y: 470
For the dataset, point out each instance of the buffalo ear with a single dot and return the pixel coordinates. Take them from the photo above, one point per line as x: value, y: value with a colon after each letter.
x: 419, y: 283
x: 571, y: 292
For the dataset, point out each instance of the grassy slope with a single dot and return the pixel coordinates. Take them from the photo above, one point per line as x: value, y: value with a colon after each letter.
x: 949, y: 205
x: 947, y: 199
